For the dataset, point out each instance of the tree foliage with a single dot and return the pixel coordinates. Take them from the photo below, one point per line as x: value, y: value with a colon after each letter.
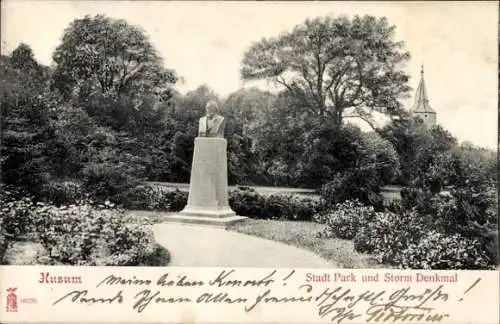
x: 111, y: 57
x: 181, y: 129
x: 112, y: 79
x: 246, y: 112
x: 26, y: 135
x: 334, y: 65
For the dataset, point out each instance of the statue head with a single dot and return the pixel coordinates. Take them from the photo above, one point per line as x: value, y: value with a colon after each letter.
x: 211, y: 108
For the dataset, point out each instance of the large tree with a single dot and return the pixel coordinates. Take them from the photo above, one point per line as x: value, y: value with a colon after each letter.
x: 108, y: 70
x: 335, y: 66
x: 25, y: 134
x: 111, y: 57
x: 416, y: 144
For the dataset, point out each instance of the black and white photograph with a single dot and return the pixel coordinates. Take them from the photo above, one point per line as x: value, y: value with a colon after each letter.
x: 305, y: 134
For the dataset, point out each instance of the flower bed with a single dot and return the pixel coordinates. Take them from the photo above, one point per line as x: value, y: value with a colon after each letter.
x: 87, y: 235
x: 404, y: 239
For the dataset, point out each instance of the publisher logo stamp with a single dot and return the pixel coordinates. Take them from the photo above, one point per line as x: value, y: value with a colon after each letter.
x: 12, y: 300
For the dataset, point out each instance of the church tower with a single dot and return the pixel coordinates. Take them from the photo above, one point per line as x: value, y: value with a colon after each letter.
x: 421, y: 107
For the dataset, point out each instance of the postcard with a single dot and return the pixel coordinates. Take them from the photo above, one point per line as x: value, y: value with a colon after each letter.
x: 249, y: 162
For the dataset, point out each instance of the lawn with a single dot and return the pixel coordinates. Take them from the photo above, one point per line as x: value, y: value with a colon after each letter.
x: 303, y: 235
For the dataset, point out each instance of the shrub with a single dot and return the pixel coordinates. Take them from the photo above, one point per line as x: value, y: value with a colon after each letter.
x: 415, y: 145
x: 277, y: 207
x: 381, y: 155
x: 304, y: 208
x: 62, y: 193
x: 106, y: 181
x: 436, y: 250
x: 414, y: 197
x: 361, y: 184
x: 346, y: 219
x: 327, y: 149
x: 462, y: 210
x: 388, y: 233
x: 16, y: 214
x: 410, y: 240
x: 149, y: 198
x: 293, y: 207
x: 85, y: 235
x: 249, y: 203
x: 244, y: 201
x: 177, y: 198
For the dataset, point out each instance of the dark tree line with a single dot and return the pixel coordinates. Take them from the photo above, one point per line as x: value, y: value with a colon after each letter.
x: 106, y: 114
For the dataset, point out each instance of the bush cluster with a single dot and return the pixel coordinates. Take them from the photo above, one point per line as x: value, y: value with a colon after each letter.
x: 362, y: 183
x: 62, y: 193
x: 140, y: 197
x: 406, y: 239
x: 15, y: 217
x: 108, y: 181
x: 436, y: 250
x: 248, y: 202
x: 16, y: 213
x: 244, y: 201
x: 465, y: 211
x: 153, y: 198
x: 345, y: 220
x: 409, y: 242
x: 388, y: 234
x: 86, y: 235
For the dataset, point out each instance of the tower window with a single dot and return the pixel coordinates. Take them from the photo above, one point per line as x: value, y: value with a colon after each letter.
x: 425, y: 115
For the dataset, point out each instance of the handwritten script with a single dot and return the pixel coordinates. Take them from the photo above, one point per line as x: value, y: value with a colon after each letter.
x: 335, y: 302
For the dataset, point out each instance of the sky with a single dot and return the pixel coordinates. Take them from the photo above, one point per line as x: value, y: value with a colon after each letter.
x: 204, y: 43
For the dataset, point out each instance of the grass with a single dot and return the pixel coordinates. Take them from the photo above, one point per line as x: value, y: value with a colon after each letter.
x: 303, y: 235
x: 144, y: 217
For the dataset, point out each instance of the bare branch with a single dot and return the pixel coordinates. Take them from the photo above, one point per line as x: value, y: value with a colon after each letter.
x: 305, y: 75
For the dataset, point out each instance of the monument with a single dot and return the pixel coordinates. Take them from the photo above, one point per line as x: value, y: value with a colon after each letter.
x: 208, y: 201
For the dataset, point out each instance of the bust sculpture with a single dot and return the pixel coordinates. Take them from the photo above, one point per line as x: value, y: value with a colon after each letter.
x: 212, y: 124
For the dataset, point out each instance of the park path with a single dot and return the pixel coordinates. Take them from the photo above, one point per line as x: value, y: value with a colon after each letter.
x: 195, y: 245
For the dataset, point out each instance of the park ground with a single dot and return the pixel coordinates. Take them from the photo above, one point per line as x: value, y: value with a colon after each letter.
x: 301, y: 236
x: 260, y: 242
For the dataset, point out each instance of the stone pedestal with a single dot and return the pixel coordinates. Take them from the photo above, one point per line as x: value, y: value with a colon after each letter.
x: 208, y: 190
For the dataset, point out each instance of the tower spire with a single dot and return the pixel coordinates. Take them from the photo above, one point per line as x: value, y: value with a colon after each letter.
x: 421, y: 99
x: 421, y: 107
